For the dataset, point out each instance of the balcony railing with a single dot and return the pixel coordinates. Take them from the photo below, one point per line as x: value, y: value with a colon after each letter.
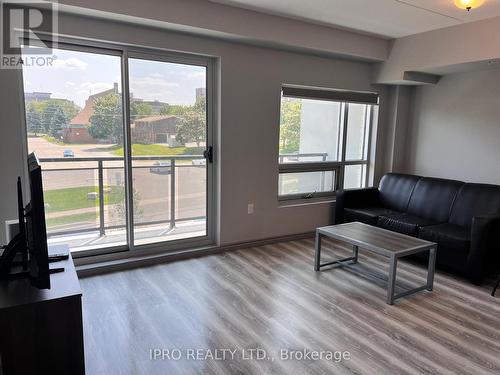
x: 65, y: 174
x: 98, y: 166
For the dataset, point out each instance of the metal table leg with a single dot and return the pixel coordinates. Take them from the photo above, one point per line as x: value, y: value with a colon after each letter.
x: 392, y: 279
x: 317, y: 256
x: 391, y: 296
x: 496, y: 287
x: 430, y: 268
x: 338, y: 262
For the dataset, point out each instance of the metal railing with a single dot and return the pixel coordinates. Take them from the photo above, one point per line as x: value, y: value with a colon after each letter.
x: 170, y: 163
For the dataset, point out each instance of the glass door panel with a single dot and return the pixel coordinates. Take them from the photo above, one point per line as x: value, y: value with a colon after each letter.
x: 75, y: 126
x: 168, y: 133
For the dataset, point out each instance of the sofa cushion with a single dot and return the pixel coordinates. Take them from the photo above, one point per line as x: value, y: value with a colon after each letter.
x: 475, y: 200
x: 448, y: 236
x: 403, y: 223
x: 366, y: 215
x: 395, y: 190
x: 433, y: 198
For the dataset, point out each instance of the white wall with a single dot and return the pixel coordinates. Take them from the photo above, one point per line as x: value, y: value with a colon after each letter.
x: 455, y: 128
x: 250, y: 83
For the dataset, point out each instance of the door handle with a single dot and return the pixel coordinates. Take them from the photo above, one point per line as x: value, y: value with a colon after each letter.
x: 209, y: 154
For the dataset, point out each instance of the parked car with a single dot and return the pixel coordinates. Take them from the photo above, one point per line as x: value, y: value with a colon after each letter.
x: 199, y: 162
x: 161, y: 167
x: 68, y: 154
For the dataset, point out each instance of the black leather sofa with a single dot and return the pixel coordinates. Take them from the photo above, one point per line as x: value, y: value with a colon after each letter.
x: 462, y: 218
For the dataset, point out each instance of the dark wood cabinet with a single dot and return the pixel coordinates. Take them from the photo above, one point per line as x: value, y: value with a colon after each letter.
x: 41, y: 331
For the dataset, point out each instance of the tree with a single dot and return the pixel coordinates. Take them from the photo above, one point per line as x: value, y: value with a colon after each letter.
x: 33, y: 120
x: 192, y: 126
x: 53, y: 118
x: 47, y: 115
x: 106, y: 122
x: 69, y: 108
x: 120, y: 210
x: 174, y: 109
x: 290, y: 126
x: 59, y: 119
x: 140, y: 109
x: 47, y: 109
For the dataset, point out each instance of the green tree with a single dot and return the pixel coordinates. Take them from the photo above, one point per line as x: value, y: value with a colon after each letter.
x: 140, y: 109
x: 290, y: 126
x: 120, y: 210
x: 53, y: 118
x: 106, y: 122
x: 192, y: 126
x: 47, y: 115
x: 47, y: 108
x: 33, y: 120
x: 175, y: 110
x: 69, y: 108
x: 59, y: 119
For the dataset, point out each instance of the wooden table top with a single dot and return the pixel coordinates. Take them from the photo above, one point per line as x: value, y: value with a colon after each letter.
x: 378, y: 240
x: 19, y: 292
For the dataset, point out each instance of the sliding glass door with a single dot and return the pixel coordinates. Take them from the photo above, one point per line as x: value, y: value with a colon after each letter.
x: 168, y: 120
x: 123, y: 138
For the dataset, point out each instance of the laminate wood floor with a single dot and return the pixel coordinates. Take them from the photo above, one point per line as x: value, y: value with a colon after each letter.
x: 269, y: 298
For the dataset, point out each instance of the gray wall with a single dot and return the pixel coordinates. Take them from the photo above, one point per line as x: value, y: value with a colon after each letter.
x: 224, y: 21
x: 250, y: 82
x: 12, y: 155
x: 455, y: 128
x: 459, y: 48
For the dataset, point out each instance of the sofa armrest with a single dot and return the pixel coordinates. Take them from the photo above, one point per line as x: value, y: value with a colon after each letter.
x: 485, y: 246
x: 355, y: 198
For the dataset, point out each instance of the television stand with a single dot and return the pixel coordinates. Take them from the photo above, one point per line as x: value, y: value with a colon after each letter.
x: 44, y: 325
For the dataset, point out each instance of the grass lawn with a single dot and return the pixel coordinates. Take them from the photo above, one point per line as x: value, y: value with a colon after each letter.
x: 157, y: 150
x: 70, y: 219
x: 75, y: 198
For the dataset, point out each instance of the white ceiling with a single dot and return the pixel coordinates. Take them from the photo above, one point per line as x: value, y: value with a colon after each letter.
x: 388, y: 18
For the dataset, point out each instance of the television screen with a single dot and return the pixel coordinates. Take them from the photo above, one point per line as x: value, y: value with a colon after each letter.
x: 36, y: 230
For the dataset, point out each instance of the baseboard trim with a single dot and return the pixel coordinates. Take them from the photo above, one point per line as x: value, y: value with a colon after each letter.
x: 124, y: 263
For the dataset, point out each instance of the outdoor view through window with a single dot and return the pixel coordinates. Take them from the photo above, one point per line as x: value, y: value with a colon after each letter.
x: 324, y: 146
x: 75, y: 125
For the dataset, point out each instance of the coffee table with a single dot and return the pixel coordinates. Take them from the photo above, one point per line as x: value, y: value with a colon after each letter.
x: 380, y: 241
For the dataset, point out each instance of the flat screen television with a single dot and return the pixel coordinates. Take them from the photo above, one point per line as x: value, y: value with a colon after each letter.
x: 36, y: 232
x: 31, y: 241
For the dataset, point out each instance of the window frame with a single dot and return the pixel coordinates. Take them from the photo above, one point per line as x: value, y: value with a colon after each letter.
x: 337, y: 167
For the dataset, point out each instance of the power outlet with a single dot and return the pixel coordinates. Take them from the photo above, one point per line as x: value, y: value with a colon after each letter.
x: 250, y: 208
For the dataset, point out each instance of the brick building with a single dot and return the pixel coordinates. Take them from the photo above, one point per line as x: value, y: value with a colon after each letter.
x: 77, y: 131
x: 156, y: 129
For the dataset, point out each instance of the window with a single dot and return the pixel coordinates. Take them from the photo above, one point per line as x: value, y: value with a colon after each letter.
x: 121, y: 135
x: 324, y: 142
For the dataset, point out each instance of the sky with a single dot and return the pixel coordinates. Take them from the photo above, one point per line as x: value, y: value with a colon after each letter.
x: 76, y: 75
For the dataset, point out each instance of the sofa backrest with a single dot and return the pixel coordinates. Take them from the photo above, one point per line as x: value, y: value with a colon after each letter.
x: 475, y: 200
x: 433, y: 198
x: 395, y: 190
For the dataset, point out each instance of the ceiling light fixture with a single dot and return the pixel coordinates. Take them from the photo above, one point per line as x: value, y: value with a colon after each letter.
x: 468, y: 4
